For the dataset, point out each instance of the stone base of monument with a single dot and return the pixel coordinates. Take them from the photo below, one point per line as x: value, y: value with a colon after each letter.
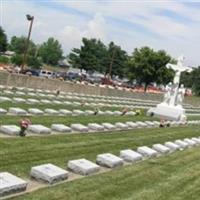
x: 161, y: 148
x: 79, y: 127
x: 172, y: 146
x: 39, y: 129
x: 167, y: 112
x: 130, y: 156
x: 109, y: 126
x: 35, y: 111
x: 10, y: 184
x: 49, y: 173
x: 147, y: 152
x: 60, y: 128
x: 10, y: 129
x: 83, y: 167
x: 109, y: 160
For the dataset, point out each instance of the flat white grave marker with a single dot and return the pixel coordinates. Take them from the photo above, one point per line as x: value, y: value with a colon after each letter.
x: 182, y: 144
x: 79, y: 127
x: 173, y: 146
x: 51, y: 111
x: 60, y: 128
x: 95, y: 126
x: 130, y: 155
x: 39, y: 129
x: 121, y: 125
x: 11, y: 184
x: 35, y: 111
x: 83, y: 167
x: 146, y: 151
x: 49, y: 173
x: 132, y: 124
x: 109, y: 126
x: 3, y: 111
x: 18, y: 100
x: 197, y: 140
x: 10, y: 129
x: 17, y: 111
x: 65, y: 112
x: 161, y: 148
x: 190, y: 142
x: 109, y: 160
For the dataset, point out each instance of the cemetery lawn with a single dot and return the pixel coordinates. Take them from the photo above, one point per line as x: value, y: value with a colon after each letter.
x: 173, y: 177
x: 18, y: 155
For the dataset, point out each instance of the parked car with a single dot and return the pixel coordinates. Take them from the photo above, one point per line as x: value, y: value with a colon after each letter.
x: 45, y: 73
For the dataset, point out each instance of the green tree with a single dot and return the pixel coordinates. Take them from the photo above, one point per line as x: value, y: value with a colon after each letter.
x: 4, y: 60
x: 195, y: 75
x: 187, y: 79
x: 34, y: 62
x: 148, y: 66
x: 17, y: 44
x: 17, y: 59
x: 3, y: 40
x: 117, y: 61
x: 90, y: 56
x: 51, y: 51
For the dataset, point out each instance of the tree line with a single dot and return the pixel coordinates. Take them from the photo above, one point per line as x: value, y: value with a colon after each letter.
x: 144, y: 65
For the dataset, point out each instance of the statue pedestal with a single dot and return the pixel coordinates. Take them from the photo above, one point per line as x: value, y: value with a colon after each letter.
x: 168, y: 112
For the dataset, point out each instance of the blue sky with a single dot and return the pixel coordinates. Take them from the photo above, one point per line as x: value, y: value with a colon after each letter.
x: 160, y: 24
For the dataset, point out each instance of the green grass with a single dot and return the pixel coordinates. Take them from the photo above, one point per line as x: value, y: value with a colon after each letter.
x: 18, y: 155
x: 174, y: 177
x: 48, y: 120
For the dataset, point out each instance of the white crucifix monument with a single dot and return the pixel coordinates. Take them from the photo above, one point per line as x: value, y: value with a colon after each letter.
x: 171, y: 108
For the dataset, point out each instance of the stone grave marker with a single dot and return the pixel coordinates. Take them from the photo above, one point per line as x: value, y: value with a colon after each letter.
x: 3, y: 111
x: 109, y: 126
x: 60, y: 128
x: 49, y: 173
x: 79, y: 128
x: 10, y: 129
x: 182, y: 144
x: 35, y: 111
x: 83, y: 167
x: 161, y: 148
x: 130, y: 156
x: 173, y: 146
x: 95, y: 126
x: 147, y: 152
x: 39, y: 129
x: 10, y: 184
x: 109, y: 160
x: 17, y: 111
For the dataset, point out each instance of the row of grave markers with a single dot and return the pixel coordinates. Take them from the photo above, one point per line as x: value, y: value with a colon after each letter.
x: 14, y: 130
x: 51, y: 174
x: 50, y: 111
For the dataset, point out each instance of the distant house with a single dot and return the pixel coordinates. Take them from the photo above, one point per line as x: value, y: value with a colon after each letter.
x: 63, y: 63
x: 8, y: 53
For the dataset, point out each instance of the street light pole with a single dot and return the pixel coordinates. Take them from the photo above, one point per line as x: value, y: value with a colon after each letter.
x: 29, y: 18
x: 111, y: 63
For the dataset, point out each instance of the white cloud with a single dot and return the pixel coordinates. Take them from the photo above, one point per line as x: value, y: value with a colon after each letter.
x: 106, y: 19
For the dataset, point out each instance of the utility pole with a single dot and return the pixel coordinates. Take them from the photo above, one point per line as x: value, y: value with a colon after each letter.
x: 111, y: 62
x: 29, y: 18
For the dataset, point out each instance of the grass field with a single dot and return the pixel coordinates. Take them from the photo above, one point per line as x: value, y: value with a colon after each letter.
x: 153, y: 179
